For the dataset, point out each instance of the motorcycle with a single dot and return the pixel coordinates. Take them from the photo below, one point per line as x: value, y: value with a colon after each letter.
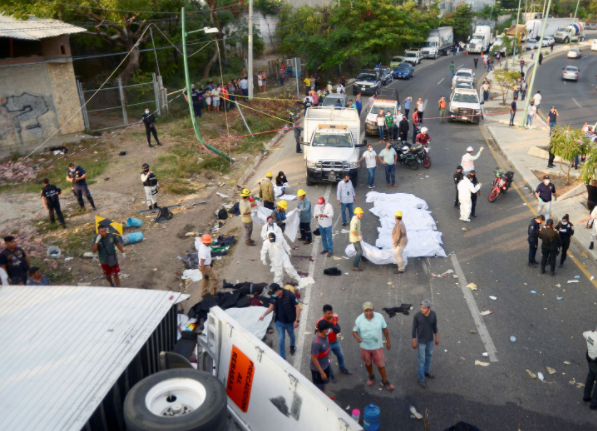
x: 409, y: 155
x: 501, y: 184
x: 423, y: 156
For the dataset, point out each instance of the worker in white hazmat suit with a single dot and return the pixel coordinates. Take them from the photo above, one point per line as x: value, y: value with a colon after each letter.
x: 271, y: 227
x: 465, y: 188
x: 279, y: 256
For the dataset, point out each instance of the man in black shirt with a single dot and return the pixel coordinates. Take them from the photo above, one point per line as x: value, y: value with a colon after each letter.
x: 423, y: 334
x: 149, y: 121
x: 51, y: 201
x: 78, y: 177
x: 533, y: 238
x: 475, y: 181
x: 403, y: 127
x: 457, y: 178
x: 513, y: 111
x: 14, y: 261
x: 288, y: 312
x: 545, y: 193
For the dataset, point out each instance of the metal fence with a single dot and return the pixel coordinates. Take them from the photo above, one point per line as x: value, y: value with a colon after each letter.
x: 116, y: 105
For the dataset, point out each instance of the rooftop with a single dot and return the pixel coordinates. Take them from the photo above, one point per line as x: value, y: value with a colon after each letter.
x: 35, y: 28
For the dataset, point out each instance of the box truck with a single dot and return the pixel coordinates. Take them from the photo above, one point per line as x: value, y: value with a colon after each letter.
x: 439, y: 42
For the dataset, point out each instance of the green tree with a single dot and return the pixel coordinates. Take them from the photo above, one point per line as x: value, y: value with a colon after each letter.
x: 568, y: 143
x: 460, y: 20
x: 507, y: 80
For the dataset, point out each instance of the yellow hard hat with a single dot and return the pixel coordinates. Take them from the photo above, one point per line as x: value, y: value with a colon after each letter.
x: 283, y: 204
x: 359, y: 210
x: 269, y: 175
x: 301, y: 192
x: 245, y: 193
x: 398, y: 214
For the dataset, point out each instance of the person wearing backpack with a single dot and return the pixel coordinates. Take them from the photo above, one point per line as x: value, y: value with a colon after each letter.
x: 150, y: 185
x: 550, y: 240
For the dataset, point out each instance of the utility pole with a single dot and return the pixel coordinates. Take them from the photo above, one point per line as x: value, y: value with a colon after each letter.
x: 530, y: 91
x: 188, y: 84
x: 575, y: 11
x: 250, y: 59
x: 516, y: 39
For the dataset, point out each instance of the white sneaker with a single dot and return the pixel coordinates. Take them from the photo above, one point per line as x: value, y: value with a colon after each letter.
x: 468, y: 221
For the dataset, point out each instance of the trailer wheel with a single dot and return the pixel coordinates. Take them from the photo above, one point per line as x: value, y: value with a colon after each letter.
x: 177, y: 400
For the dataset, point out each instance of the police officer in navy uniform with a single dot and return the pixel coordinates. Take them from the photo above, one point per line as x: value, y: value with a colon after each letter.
x: 149, y: 121
x: 475, y: 181
x: 533, y: 238
x: 50, y: 198
x: 77, y: 176
x: 458, y: 175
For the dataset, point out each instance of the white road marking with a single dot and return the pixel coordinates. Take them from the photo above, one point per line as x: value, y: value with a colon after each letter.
x: 300, y: 332
x: 577, y: 104
x: 472, y: 305
x: 460, y: 66
x: 441, y: 81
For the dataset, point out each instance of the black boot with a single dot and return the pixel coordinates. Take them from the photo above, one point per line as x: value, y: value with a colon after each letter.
x: 151, y: 145
x: 155, y: 206
x: 150, y: 207
x: 591, y: 246
x: 159, y: 144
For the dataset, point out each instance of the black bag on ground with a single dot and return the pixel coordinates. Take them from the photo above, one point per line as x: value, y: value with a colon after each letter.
x: 332, y: 271
x: 222, y: 214
x: 164, y: 214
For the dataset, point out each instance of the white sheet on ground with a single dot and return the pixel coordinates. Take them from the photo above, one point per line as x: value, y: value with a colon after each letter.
x: 248, y: 317
x: 374, y: 254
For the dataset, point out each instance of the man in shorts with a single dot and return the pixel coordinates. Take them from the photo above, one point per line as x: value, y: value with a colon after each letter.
x: 368, y: 330
x: 105, y: 245
x: 320, y: 355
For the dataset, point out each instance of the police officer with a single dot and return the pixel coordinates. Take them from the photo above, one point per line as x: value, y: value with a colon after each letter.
x: 77, y: 176
x: 150, y: 184
x: 475, y: 181
x: 533, y: 238
x: 457, y: 178
x: 550, y: 239
x: 51, y: 201
x: 149, y: 121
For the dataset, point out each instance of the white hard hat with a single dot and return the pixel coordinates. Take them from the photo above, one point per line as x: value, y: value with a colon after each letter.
x: 469, y: 149
x: 424, y: 129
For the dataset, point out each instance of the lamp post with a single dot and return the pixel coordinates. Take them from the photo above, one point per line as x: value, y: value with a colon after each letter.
x: 516, y: 38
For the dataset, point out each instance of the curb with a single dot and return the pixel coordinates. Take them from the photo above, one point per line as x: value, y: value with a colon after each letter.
x: 251, y: 169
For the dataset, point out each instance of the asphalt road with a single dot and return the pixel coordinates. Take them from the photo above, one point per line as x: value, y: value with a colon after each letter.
x: 492, y: 253
x: 575, y: 101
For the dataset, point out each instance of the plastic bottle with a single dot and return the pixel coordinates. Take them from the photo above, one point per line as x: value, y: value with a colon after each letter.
x: 513, y: 339
x: 356, y: 414
x: 371, y: 417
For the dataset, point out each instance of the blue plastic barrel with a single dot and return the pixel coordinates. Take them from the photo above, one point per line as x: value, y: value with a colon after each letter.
x: 133, y: 222
x: 371, y: 417
x: 131, y: 238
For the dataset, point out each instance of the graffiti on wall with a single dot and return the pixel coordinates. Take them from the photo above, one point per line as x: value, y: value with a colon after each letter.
x: 20, y: 119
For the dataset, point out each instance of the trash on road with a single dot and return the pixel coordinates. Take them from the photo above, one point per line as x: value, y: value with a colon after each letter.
x: 464, y: 229
x: 573, y: 381
x: 566, y: 363
x: 414, y: 413
x: 483, y: 364
x: 533, y: 292
x: 560, y: 298
x: 473, y: 331
x: 550, y: 370
x: 192, y: 274
x: 485, y: 355
x: 583, y: 254
x: 530, y: 373
x: 472, y: 286
x: 222, y: 195
x: 485, y: 313
x: 493, y: 297
x: 577, y: 276
x: 572, y: 281
x: 512, y: 339
x: 540, y: 375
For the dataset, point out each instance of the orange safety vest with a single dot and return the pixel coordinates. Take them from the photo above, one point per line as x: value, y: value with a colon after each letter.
x: 442, y: 104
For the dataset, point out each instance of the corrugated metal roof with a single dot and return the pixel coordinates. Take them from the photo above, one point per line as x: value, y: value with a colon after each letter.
x: 64, y: 347
x: 35, y: 28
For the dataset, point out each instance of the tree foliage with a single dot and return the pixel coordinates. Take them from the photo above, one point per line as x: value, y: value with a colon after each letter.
x: 460, y: 20
x: 568, y: 143
x: 507, y: 80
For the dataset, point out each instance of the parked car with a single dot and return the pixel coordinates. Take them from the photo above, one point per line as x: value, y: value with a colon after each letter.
x: 594, y: 45
x: 386, y: 75
x: 574, y: 53
x: 368, y: 81
x: 331, y: 100
x: 404, y: 70
x: 464, y: 84
x: 547, y: 41
x: 463, y: 75
x: 571, y: 73
x: 531, y: 43
x: 396, y: 60
x: 413, y: 57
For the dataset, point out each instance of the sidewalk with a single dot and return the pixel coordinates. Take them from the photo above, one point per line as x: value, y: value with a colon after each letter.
x: 526, y: 150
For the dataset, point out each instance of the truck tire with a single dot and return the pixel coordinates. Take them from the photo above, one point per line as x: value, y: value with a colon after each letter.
x: 355, y: 180
x: 177, y: 400
x: 308, y: 180
x: 567, y: 40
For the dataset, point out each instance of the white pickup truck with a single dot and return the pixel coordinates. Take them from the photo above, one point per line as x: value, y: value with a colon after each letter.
x: 332, y: 138
x: 413, y: 56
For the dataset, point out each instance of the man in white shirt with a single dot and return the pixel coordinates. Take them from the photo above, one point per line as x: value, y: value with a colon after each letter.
x: 591, y: 338
x: 324, y: 213
x: 537, y: 99
x: 531, y: 114
x: 370, y: 157
x: 468, y: 160
x: 244, y: 87
x: 205, y: 265
x: 215, y: 98
x: 346, y: 198
x: 420, y: 108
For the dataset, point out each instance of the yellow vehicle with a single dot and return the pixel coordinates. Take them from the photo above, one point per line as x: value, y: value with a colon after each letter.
x: 396, y: 60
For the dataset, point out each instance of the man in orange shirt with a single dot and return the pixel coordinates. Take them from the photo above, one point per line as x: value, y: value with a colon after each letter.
x: 332, y: 318
x: 442, y: 108
x: 225, y: 99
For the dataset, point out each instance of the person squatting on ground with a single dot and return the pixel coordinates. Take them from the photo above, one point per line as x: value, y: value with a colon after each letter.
x: 279, y: 255
x: 591, y: 355
x: 305, y: 214
x: 565, y: 229
x: 149, y: 121
x: 324, y: 213
x: 400, y: 240
x: 550, y: 240
x: 368, y: 330
x: 206, y: 266
x: 77, y: 176
x: 150, y: 185
x: 50, y: 196
x: 533, y: 238
x: 423, y: 334
x: 105, y: 245
x: 14, y: 262
x: 356, y: 237
x: 245, y: 206
x: 332, y: 334
x: 287, y: 316
x: 465, y: 191
x: 266, y: 191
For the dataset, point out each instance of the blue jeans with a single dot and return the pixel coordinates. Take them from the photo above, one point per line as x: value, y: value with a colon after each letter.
x: 551, y: 126
x: 327, y: 240
x: 390, y: 174
x: 350, y: 208
x: 337, y: 350
x: 425, y: 352
x: 281, y: 329
x: 512, y: 115
x: 529, y: 120
x: 381, y: 130
x: 371, y: 176
x: 544, y: 206
x: 357, y: 258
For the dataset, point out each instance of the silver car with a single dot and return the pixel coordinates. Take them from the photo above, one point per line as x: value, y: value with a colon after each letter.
x: 571, y: 73
x: 531, y: 43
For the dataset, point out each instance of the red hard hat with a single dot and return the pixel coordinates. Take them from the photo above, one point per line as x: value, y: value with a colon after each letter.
x: 321, y: 201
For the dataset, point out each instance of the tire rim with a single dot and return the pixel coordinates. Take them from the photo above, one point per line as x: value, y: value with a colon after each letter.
x: 175, y: 397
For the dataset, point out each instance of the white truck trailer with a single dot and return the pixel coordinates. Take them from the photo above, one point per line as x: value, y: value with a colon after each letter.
x: 439, y: 42
x: 481, y: 40
x: 535, y: 26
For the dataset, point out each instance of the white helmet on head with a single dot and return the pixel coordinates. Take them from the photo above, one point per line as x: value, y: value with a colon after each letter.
x: 424, y: 129
x: 469, y: 150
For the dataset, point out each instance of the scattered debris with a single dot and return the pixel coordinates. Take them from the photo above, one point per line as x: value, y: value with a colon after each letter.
x: 550, y: 370
x: 583, y: 254
x: 566, y: 363
x: 88, y: 255
x: 485, y: 354
x: 414, y: 413
x: 493, y: 297
x: 189, y: 234
x: 577, y: 276
x: 560, y: 298
x: 404, y: 309
x: 533, y: 292
x: 66, y: 259
x: 464, y: 229
x: 483, y: 364
x: 192, y: 274
x: 472, y: 286
x: 473, y: 331
x: 572, y: 281
x: 573, y: 381
x: 580, y: 385
x: 530, y: 373
x: 540, y: 375
x: 486, y: 313
x: 512, y: 339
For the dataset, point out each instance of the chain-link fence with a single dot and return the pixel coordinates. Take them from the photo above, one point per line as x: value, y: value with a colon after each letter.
x: 116, y: 105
